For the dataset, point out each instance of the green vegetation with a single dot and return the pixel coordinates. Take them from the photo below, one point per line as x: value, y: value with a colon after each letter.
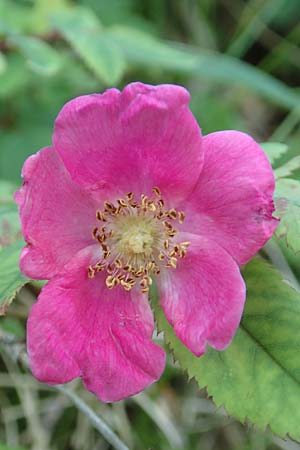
x: 240, y: 61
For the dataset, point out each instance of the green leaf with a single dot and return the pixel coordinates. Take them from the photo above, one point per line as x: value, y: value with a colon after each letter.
x: 288, y: 168
x: 9, y: 225
x: 287, y: 202
x: 12, y: 326
x: 7, y: 191
x: 258, y: 375
x: 15, y: 77
x: 274, y: 150
x: 82, y: 29
x: 143, y: 49
x: 2, y: 63
x: 11, y: 279
x: 9, y: 218
x: 6, y: 447
x: 40, y: 56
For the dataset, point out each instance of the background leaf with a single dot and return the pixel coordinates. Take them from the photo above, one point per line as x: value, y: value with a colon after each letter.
x: 9, y: 218
x: 82, y: 29
x: 11, y: 279
x: 142, y: 49
x: 274, y: 150
x: 287, y: 202
x: 154, y: 41
x: 288, y: 168
x: 6, y: 447
x: 40, y: 56
x: 2, y: 63
x: 258, y: 375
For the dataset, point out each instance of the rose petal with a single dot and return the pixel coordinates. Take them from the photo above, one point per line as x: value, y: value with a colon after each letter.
x: 232, y: 202
x: 131, y: 141
x: 57, y: 216
x: 78, y: 327
x: 203, y: 298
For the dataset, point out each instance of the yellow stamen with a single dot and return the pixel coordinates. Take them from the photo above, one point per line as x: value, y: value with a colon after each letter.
x: 137, y: 240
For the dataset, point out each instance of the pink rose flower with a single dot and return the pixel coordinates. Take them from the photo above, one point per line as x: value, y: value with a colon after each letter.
x: 131, y: 190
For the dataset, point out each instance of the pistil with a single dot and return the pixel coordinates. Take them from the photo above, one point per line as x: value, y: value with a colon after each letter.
x: 136, y: 238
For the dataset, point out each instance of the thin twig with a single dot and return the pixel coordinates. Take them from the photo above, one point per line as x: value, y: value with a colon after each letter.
x: 98, y: 423
x: 285, y: 128
x: 162, y: 419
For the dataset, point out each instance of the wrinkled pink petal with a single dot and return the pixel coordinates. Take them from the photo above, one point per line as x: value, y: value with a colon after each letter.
x: 57, y: 216
x: 80, y: 328
x: 142, y: 137
x: 232, y: 202
x: 203, y: 298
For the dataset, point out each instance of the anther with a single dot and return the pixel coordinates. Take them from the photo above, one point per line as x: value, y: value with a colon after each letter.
x: 110, y: 208
x: 129, y: 196
x: 172, y: 263
x: 100, y: 216
x: 111, y: 281
x: 168, y: 225
x: 181, y: 216
x: 118, y: 263
x: 139, y: 272
x: 172, y: 214
x: 110, y: 269
x: 101, y: 238
x: 160, y: 215
x: 122, y: 202
x: 182, y: 253
x: 91, y: 272
x: 150, y: 266
x: 106, y: 254
x: 148, y: 280
x: 151, y: 206
x: 185, y: 244
x: 156, y: 191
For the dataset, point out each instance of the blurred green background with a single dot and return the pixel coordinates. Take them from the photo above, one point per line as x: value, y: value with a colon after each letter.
x: 240, y: 60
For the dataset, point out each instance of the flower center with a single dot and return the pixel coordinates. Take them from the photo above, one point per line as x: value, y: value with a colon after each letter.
x: 136, y: 235
x: 136, y: 238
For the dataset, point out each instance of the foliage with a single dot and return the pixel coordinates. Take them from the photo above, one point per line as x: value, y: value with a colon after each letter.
x: 11, y: 278
x: 257, y: 377
x: 288, y: 208
x: 239, y: 61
